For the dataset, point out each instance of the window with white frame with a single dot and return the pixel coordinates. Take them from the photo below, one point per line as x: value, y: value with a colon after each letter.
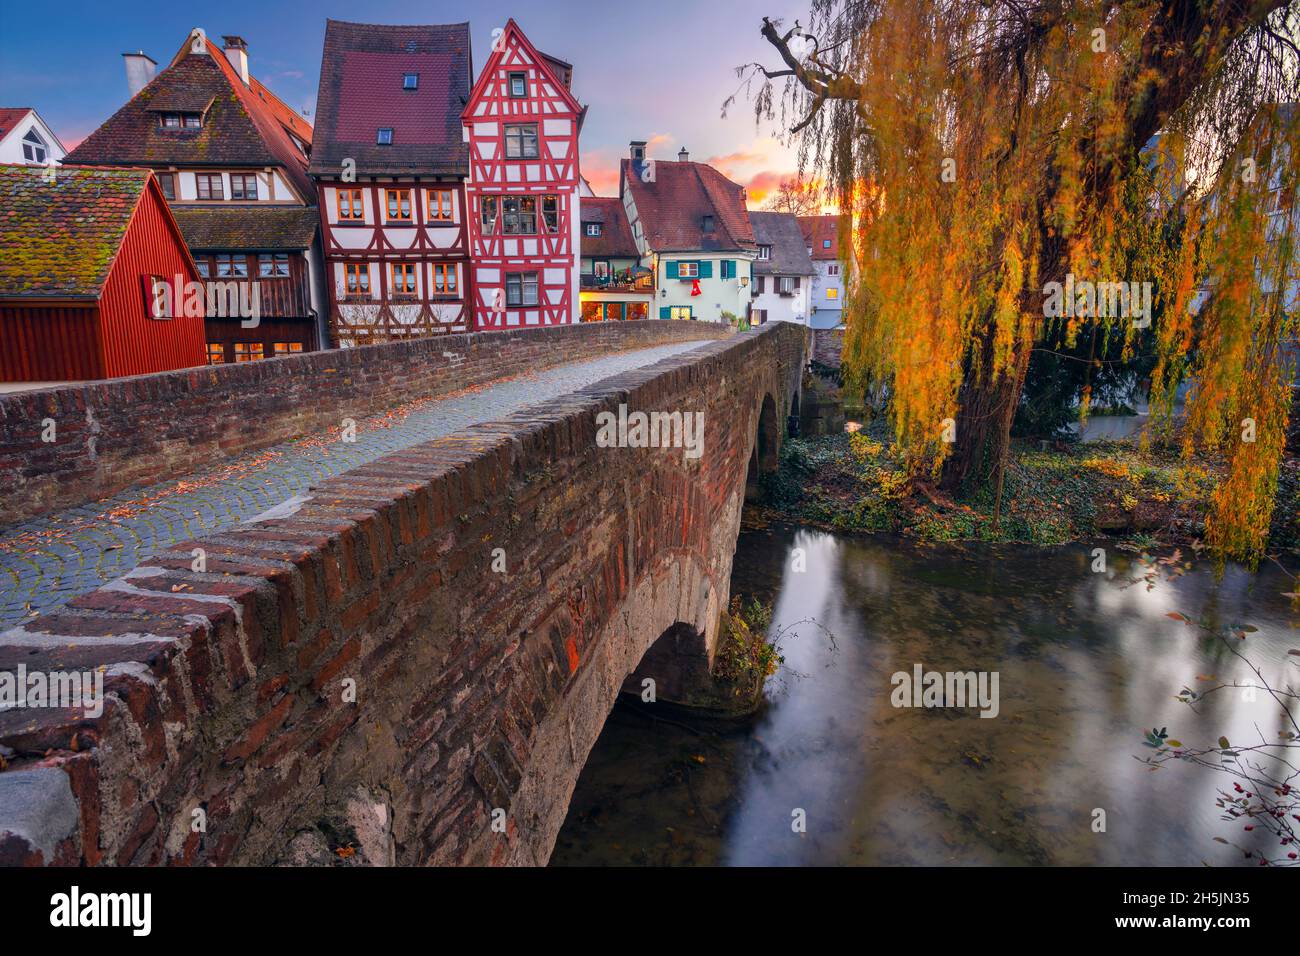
x: 34, y: 148
x: 688, y: 270
x: 764, y: 252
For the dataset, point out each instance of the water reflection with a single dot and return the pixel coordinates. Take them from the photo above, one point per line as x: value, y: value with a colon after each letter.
x: 1086, y: 662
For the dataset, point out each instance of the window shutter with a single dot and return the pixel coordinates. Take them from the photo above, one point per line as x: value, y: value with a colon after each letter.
x: 798, y: 282
x: 706, y: 270
x: 664, y: 310
x: 758, y: 280
x: 672, y: 271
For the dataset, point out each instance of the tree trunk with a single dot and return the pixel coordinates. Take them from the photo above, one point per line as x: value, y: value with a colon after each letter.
x: 985, y: 413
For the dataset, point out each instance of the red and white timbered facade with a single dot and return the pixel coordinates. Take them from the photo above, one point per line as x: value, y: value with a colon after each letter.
x: 396, y: 255
x: 522, y: 123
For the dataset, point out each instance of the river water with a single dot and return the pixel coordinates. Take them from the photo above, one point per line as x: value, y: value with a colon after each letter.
x: 1086, y: 663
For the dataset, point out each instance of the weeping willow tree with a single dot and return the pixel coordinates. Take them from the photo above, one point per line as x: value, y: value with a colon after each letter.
x: 983, y: 150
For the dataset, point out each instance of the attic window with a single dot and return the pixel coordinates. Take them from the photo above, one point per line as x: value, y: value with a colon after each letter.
x: 34, y: 150
x: 410, y: 81
x: 385, y: 137
x: 593, y: 229
x: 708, y: 224
x: 826, y: 243
x: 764, y: 252
x: 518, y: 84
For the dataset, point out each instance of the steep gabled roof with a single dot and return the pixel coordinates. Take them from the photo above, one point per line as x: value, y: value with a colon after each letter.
x: 61, y: 228
x: 673, y: 207
x: 552, y: 65
x: 361, y: 92
x: 242, y: 125
x: 817, y: 230
x: 780, y: 230
x: 615, y: 239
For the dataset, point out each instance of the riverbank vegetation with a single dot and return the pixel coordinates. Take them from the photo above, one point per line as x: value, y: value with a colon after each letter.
x: 1054, y: 492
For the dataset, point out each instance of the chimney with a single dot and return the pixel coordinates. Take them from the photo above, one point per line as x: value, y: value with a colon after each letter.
x: 638, y: 150
x: 237, y: 53
x: 139, y: 70
x: 683, y: 156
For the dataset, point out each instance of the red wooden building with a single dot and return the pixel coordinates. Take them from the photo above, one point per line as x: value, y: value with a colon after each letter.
x: 231, y: 158
x: 522, y: 123
x: 83, y: 251
x: 389, y: 162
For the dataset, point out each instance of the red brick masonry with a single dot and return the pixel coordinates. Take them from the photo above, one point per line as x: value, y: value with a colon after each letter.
x: 147, y: 428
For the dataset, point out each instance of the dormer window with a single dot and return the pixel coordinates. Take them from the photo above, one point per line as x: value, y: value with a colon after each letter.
x: 593, y: 229
x: 34, y: 148
x: 708, y: 224
x: 518, y: 84
x: 385, y: 137
x: 180, y: 120
x: 410, y: 81
x: 764, y: 252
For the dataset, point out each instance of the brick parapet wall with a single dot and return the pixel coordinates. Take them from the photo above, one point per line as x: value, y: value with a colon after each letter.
x: 111, y: 435
x: 474, y: 690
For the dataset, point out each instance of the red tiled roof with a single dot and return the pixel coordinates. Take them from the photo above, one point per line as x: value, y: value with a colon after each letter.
x: 816, y: 230
x: 361, y: 91
x: 60, y: 234
x: 10, y: 117
x: 673, y: 207
x: 242, y: 126
x: 615, y: 239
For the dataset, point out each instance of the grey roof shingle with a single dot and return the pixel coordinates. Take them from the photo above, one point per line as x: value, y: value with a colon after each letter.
x: 781, y: 231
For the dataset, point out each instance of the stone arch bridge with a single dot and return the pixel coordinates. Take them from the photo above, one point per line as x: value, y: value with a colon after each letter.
x: 429, y: 638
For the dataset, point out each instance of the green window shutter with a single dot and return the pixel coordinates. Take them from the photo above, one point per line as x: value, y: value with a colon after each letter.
x: 672, y: 270
x: 665, y: 310
x: 706, y: 270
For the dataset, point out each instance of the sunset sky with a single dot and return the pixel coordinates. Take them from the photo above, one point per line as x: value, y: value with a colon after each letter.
x: 657, y: 72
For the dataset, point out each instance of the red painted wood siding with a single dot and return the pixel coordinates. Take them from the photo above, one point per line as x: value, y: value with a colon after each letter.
x: 133, y: 343
x: 49, y: 343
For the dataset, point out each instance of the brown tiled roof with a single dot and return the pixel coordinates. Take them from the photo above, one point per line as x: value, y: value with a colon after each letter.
x: 242, y: 126
x: 816, y: 230
x: 61, y: 235
x: 615, y: 239
x: 249, y: 227
x: 673, y: 207
x: 361, y: 91
x: 780, y: 230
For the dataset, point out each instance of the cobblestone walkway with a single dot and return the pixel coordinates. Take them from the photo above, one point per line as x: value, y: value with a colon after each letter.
x: 49, y: 560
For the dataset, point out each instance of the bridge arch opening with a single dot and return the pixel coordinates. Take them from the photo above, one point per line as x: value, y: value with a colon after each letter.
x: 677, y: 665
x: 763, y: 457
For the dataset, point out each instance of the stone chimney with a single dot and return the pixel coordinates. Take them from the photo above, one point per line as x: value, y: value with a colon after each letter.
x: 638, y: 150
x: 140, y: 70
x: 683, y: 156
x: 237, y: 53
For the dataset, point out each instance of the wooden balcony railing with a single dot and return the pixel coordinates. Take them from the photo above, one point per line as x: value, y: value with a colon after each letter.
x: 278, y: 297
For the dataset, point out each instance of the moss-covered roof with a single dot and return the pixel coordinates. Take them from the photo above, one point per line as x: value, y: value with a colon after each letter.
x: 60, y: 227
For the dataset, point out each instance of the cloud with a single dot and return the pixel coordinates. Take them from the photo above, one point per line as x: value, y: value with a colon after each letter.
x: 600, y: 168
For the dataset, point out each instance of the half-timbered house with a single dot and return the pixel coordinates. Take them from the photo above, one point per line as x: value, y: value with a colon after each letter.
x: 522, y: 124
x: 390, y: 162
